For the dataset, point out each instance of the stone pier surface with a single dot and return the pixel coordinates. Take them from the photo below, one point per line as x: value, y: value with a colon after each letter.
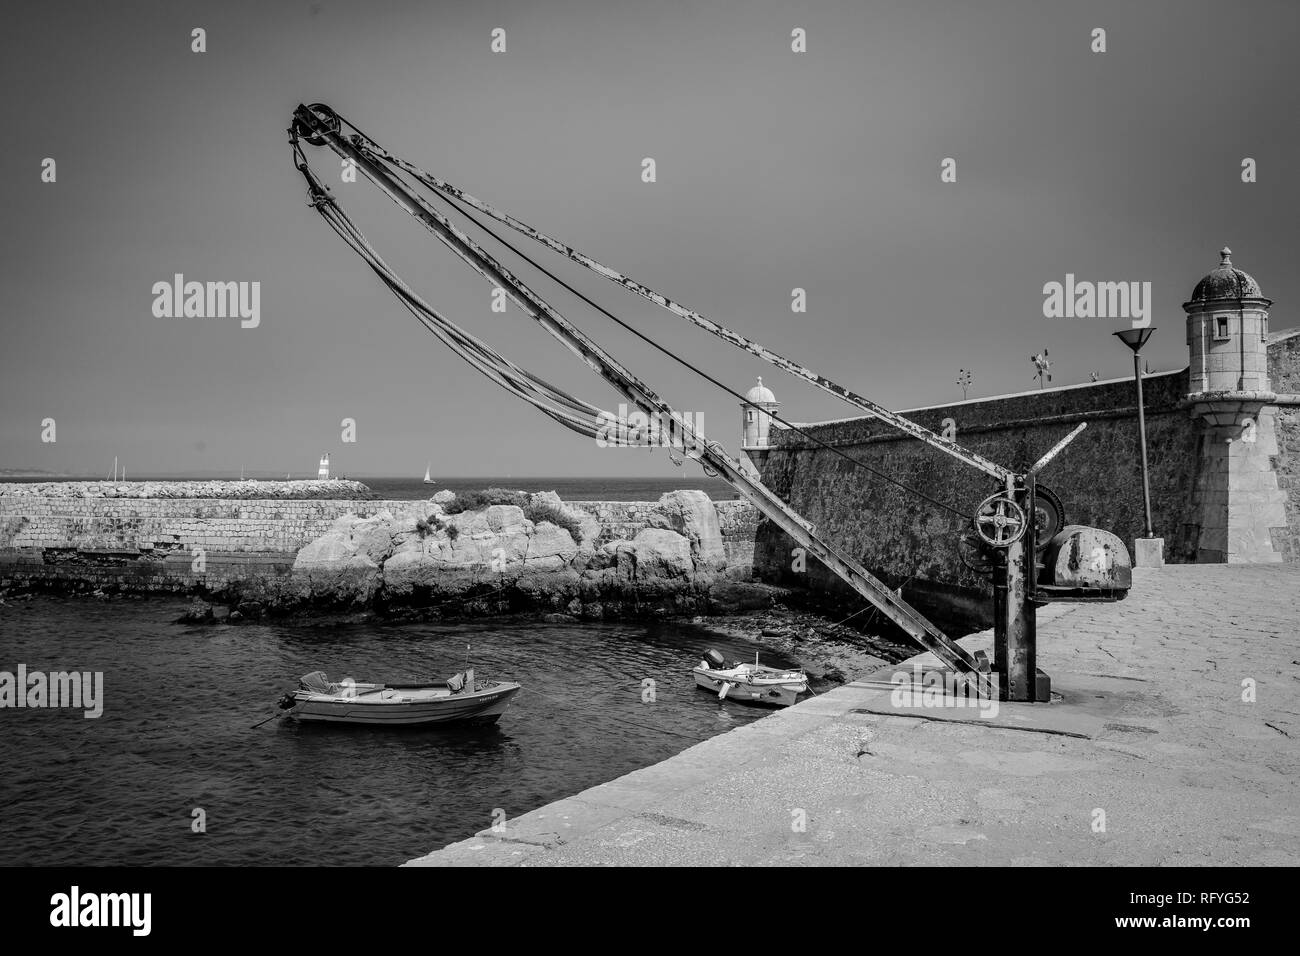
x: 1152, y: 757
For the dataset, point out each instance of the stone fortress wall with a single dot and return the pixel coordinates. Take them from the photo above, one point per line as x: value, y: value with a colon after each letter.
x: 1223, y: 442
x: 902, y: 537
x: 1284, y: 378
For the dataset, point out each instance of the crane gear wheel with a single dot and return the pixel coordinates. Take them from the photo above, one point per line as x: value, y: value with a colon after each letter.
x: 999, y: 521
x: 1049, y: 516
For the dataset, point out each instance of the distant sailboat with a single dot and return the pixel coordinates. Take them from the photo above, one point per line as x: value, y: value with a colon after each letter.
x: 427, y: 479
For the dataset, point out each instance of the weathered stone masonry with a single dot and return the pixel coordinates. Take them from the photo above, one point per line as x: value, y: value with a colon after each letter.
x: 1284, y: 375
x: 903, y: 537
x: 175, y: 524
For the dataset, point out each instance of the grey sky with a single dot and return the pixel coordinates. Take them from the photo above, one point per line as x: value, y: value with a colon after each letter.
x: 775, y: 170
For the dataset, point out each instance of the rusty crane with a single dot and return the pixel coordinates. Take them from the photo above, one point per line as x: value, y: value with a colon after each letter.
x: 1000, y: 524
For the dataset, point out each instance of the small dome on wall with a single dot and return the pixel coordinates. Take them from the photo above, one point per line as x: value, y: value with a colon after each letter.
x: 1226, y: 282
x: 760, y: 393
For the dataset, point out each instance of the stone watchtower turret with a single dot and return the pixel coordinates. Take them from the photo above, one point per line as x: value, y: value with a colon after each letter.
x: 756, y: 424
x: 1227, y: 333
x: 1238, y: 500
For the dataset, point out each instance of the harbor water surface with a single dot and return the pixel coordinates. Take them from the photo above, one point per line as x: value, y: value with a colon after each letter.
x: 174, y: 745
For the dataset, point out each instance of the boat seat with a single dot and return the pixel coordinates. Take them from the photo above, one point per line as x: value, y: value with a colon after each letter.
x: 318, y: 683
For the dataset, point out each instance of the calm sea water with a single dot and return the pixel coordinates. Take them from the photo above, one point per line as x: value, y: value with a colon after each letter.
x: 179, y: 701
x: 569, y: 489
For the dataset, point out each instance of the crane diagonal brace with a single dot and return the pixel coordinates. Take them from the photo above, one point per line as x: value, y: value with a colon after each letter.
x: 604, y: 365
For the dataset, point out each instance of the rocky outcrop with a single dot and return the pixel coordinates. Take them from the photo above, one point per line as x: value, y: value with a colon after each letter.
x: 332, y: 488
x: 497, y: 558
x: 344, y: 561
x: 691, y: 514
x: 588, y: 527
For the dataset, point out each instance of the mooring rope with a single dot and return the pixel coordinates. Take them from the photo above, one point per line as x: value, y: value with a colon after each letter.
x: 568, y: 410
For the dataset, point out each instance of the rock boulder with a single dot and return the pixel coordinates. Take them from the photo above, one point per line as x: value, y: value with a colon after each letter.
x: 692, y: 515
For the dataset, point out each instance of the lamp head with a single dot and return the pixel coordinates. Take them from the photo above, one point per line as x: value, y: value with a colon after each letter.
x: 1135, y: 338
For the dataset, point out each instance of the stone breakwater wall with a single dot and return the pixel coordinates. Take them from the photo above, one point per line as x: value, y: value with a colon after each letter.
x: 261, y: 572
x: 74, y: 538
x: 162, y: 525
x: 316, y: 488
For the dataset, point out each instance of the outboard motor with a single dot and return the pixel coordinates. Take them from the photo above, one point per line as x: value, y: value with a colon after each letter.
x: 716, y: 660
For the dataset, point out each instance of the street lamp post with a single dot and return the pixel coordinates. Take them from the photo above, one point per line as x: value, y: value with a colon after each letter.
x: 1135, y: 339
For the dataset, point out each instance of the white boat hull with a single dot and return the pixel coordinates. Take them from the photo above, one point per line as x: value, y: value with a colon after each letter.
x: 750, y: 688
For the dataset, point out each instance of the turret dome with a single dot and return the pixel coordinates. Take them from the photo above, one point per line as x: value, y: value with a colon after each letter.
x: 760, y: 393
x: 1226, y: 282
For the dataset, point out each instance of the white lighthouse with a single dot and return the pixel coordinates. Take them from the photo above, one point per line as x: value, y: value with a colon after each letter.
x: 324, y: 471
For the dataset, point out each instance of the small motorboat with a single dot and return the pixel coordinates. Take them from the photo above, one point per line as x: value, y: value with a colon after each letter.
x: 749, y: 683
x: 459, y: 699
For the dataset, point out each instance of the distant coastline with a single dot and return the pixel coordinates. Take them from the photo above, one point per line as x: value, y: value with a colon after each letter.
x: 33, y: 474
